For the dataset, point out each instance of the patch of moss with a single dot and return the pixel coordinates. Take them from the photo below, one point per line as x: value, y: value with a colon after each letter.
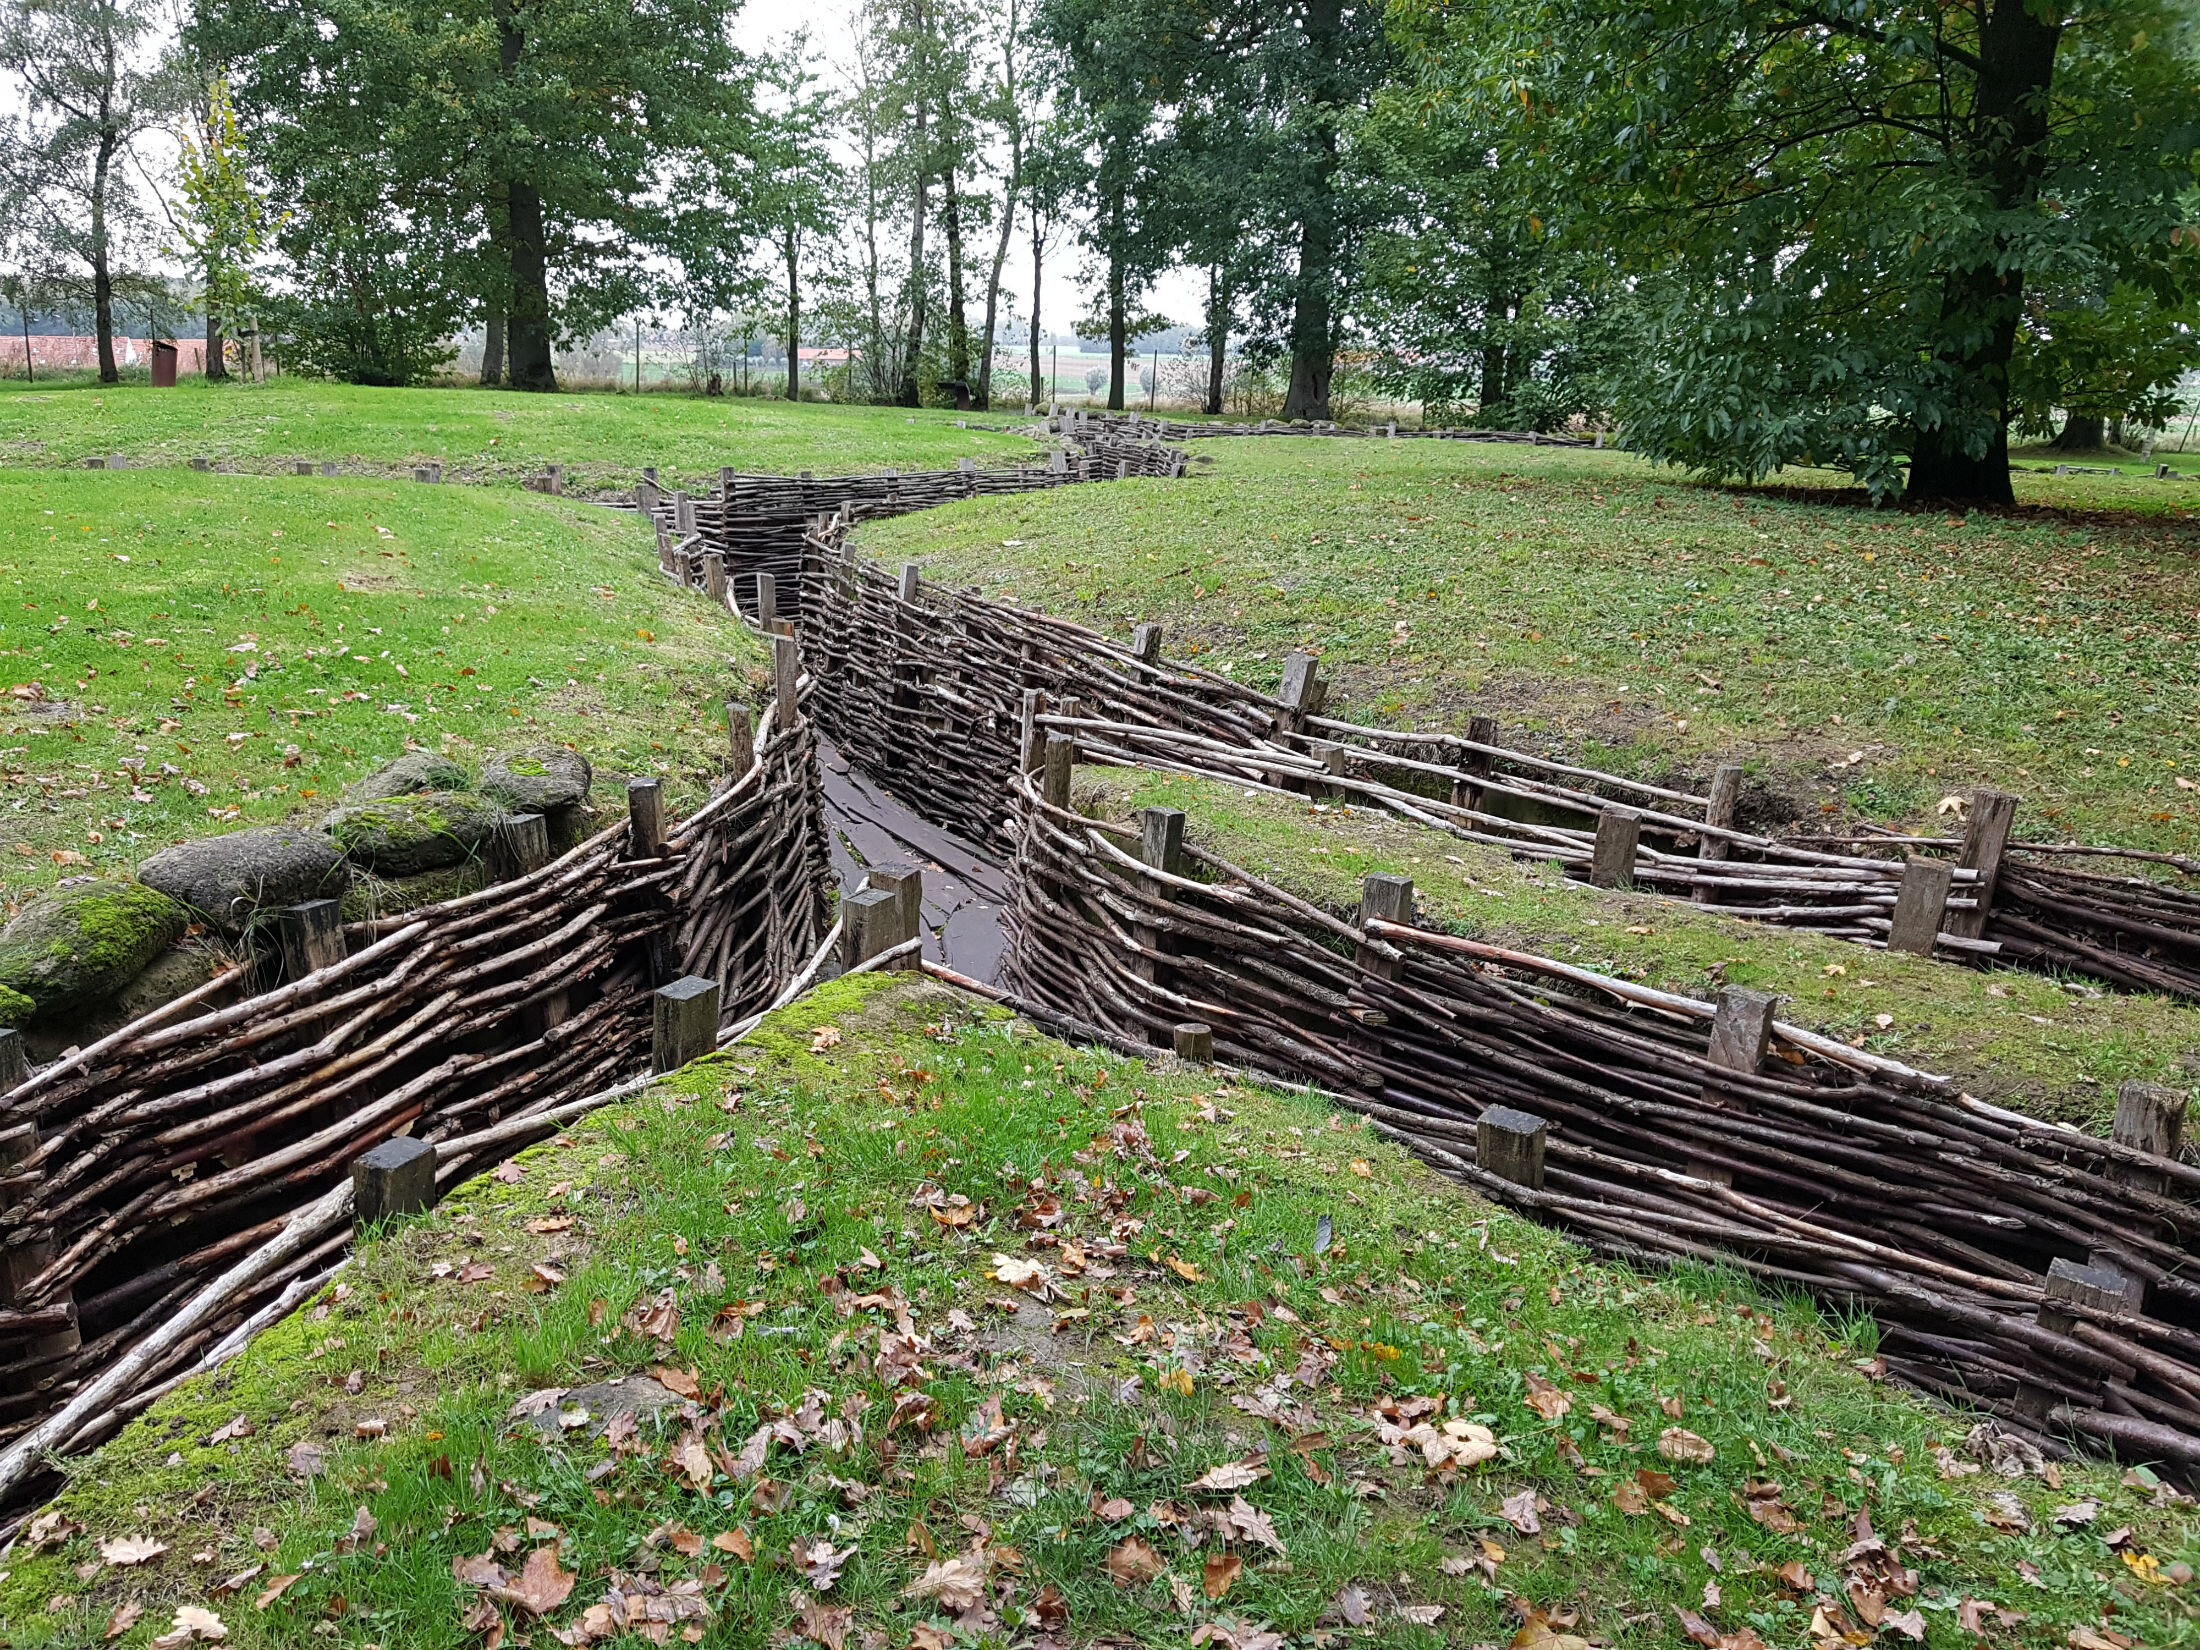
x: 402, y: 836
x: 15, y: 1008
x: 81, y: 944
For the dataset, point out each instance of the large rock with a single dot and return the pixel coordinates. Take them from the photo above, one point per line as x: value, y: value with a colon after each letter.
x: 537, y: 780
x: 402, y: 836
x: 78, y: 946
x: 224, y: 879
x: 414, y: 771
x: 373, y: 896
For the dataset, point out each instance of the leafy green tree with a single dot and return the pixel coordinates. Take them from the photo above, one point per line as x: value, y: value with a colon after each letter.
x: 1840, y: 216
x: 797, y: 183
x: 543, y: 152
x: 93, y: 82
x: 224, y: 222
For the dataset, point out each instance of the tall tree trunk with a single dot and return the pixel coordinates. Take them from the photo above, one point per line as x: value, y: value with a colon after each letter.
x: 1981, y: 305
x: 1038, y: 268
x: 217, y: 369
x: 103, y: 281
x: 527, y: 327
x: 983, y: 398
x: 2081, y: 433
x: 1117, y: 317
x: 958, y: 323
x: 913, y: 346
x: 492, y: 347
x: 1313, y: 313
x: 793, y: 242
x: 1218, y: 336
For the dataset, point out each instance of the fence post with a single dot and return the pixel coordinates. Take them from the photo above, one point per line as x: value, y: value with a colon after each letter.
x: 1146, y: 643
x: 203, y: 463
x: 646, y: 495
x: 1384, y: 898
x: 394, y: 1178
x: 683, y: 513
x: 786, y: 682
x: 645, y: 818
x: 15, y: 1060
x: 873, y: 921
x: 685, y: 1022
x: 1719, y: 809
x: 1301, y: 693
x: 1031, y: 738
x: 1741, y: 1031
x: 522, y: 845
x: 1612, y: 859
x: 1920, y: 904
x: 1985, y: 838
x: 1161, y: 847
x: 1194, y: 1041
x: 1061, y: 761
x: 1467, y: 792
x: 311, y: 936
x: 740, y: 736
x: 2149, y: 1118
x: 1510, y: 1144
x: 905, y: 883
x: 767, y: 600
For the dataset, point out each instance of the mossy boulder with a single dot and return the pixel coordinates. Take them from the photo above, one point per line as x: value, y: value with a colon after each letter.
x: 224, y: 879
x: 404, y: 775
x: 402, y: 836
x: 78, y: 946
x: 543, y: 779
x: 15, y: 1008
x: 372, y: 896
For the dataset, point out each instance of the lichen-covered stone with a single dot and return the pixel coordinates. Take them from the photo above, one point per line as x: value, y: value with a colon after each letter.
x: 373, y: 896
x: 80, y: 945
x: 537, y: 780
x: 402, y: 836
x: 224, y: 879
x: 404, y: 775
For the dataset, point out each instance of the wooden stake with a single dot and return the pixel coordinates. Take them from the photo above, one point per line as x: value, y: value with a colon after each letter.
x: 1509, y: 1144
x: 1985, y: 838
x: 905, y: 883
x: 767, y: 599
x: 1920, y: 905
x: 685, y: 1024
x: 395, y: 1178
x: 786, y: 682
x: 311, y: 936
x: 1383, y: 898
x: 1161, y: 839
x: 1195, y: 1042
x: 2149, y: 1118
x: 1465, y: 793
x: 1061, y: 759
x: 714, y: 576
x: 1146, y: 644
x: 1612, y: 860
x: 1032, y: 738
x: 740, y: 736
x: 522, y: 845
x: 645, y: 818
x: 912, y: 576
x: 15, y: 1059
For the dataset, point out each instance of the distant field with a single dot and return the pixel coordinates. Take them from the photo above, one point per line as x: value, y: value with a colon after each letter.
x: 183, y: 653
x: 481, y: 434
x: 1863, y: 661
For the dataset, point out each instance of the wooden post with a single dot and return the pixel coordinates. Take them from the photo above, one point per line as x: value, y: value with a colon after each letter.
x: 1612, y: 860
x: 1719, y: 808
x: 1384, y: 898
x: 1195, y: 1042
x: 714, y: 576
x: 646, y: 495
x: 1146, y: 643
x: 1920, y: 905
x: 1509, y: 1144
x: 786, y: 682
x: 912, y: 575
x: 1061, y: 760
x: 2067, y: 1283
x: 1161, y: 839
x: 2149, y: 1118
x: 906, y: 883
x: 394, y: 1178
x: 15, y: 1060
x: 303, y: 467
x: 741, y: 735
x: 1031, y: 738
x: 1467, y: 792
x: 685, y: 1026
x: 1985, y: 838
x: 683, y: 513
x: 874, y: 921
x: 1741, y: 1031
x: 203, y: 463
x: 767, y: 600
x: 1300, y: 694
x: 645, y: 818
x: 311, y: 936
x: 522, y: 845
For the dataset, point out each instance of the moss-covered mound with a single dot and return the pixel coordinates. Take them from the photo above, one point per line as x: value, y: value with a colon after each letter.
x: 403, y: 775
x: 402, y: 836
x: 81, y: 944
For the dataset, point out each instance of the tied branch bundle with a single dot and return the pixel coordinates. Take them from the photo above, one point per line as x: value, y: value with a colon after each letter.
x: 1868, y: 1183
x: 156, y: 1157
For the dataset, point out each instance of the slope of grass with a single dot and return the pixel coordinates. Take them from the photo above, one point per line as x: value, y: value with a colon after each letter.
x: 603, y: 440
x: 2050, y: 1048
x: 185, y: 653
x: 1172, y: 1431
x: 1869, y: 661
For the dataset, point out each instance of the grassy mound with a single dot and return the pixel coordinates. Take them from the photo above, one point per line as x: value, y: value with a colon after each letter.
x: 1866, y: 661
x: 967, y: 1337
x: 603, y: 440
x: 2052, y: 1049
x: 184, y: 653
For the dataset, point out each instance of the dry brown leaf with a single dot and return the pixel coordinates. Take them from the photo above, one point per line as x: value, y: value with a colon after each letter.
x: 823, y: 1038
x: 957, y: 1583
x: 1134, y: 1562
x: 1545, y: 1399
x: 125, y: 1550
x: 124, y: 1618
x: 540, y: 1587
x: 276, y: 1587
x: 1221, y: 1570
x: 1230, y: 1475
x: 681, y: 1382
x: 1679, y: 1444
x: 736, y: 1542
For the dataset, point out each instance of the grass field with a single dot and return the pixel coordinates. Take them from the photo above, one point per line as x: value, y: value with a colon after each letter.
x: 185, y: 653
x: 988, y: 1341
x: 1864, y: 662
x: 603, y: 440
x: 2055, y: 1049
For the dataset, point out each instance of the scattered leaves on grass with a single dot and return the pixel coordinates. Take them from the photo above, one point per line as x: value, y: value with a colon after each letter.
x: 541, y: 1585
x: 192, y: 1622
x: 125, y: 1550
x: 959, y: 1582
x: 124, y: 1618
x: 1230, y: 1475
x: 823, y: 1038
x: 1134, y: 1562
x: 819, y: 1561
x: 1545, y: 1399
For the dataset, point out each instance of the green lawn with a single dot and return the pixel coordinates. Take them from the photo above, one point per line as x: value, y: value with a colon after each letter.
x: 185, y: 653
x: 603, y: 440
x: 1174, y: 1418
x: 1866, y: 662
x: 2050, y: 1048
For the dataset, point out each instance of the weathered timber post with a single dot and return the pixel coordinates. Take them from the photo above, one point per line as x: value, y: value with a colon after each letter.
x: 1383, y: 898
x: 1741, y: 1031
x: 684, y: 1026
x: 2149, y: 1118
x: 394, y: 1178
x: 1985, y: 839
x: 311, y: 936
x: 522, y: 845
x: 1920, y: 905
x: 646, y: 495
x: 882, y: 917
x: 645, y: 818
x: 740, y: 735
x: 1146, y: 643
x: 683, y: 513
x: 1194, y: 1040
x: 302, y: 467
x: 1161, y: 848
x: 905, y: 883
x: 714, y: 576
x: 1612, y: 858
x: 1030, y: 737
x: 1061, y: 761
x: 1509, y: 1144
x: 912, y: 576
x: 1719, y: 810
x: 1301, y: 692
x: 767, y: 600
x: 15, y: 1060
x: 1467, y: 792
x: 203, y: 463
x: 786, y: 682
x: 30, y: 1366
x: 667, y: 557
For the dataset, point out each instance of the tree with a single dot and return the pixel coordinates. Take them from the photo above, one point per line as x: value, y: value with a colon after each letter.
x: 540, y: 152
x: 92, y: 83
x: 1011, y: 114
x: 797, y: 181
x: 224, y: 222
x: 1840, y: 217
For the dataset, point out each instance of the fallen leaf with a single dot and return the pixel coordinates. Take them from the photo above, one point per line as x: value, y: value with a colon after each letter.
x: 1134, y: 1562
x: 1545, y: 1399
x: 823, y: 1038
x: 822, y: 1623
x: 541, y: 1586
x: 1230, y: 1475
x: 1421, y: 1615
x: 126, y: 1550
x: 275, y: 1588
x: 192, y: 1622
x: 1350, y: 1606
x: 736, y: 1542
x: 124, y: 1618
x: 1221, y: 1570
x: 1679, y: 1444
x: 679, y: 1381
x: 959, y: 1582
x: 1519, y: 1511
x: 820, y: 1561
x: 1697, y: 1628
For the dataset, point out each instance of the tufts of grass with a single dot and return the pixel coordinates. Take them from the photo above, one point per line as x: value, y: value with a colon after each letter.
x: 186, y: 653
x: 1245, y: 1291
x: 1865, y: 661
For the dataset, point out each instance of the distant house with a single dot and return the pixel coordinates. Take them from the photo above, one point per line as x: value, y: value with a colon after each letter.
x: 823, y: 355
x: 67, y: 352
